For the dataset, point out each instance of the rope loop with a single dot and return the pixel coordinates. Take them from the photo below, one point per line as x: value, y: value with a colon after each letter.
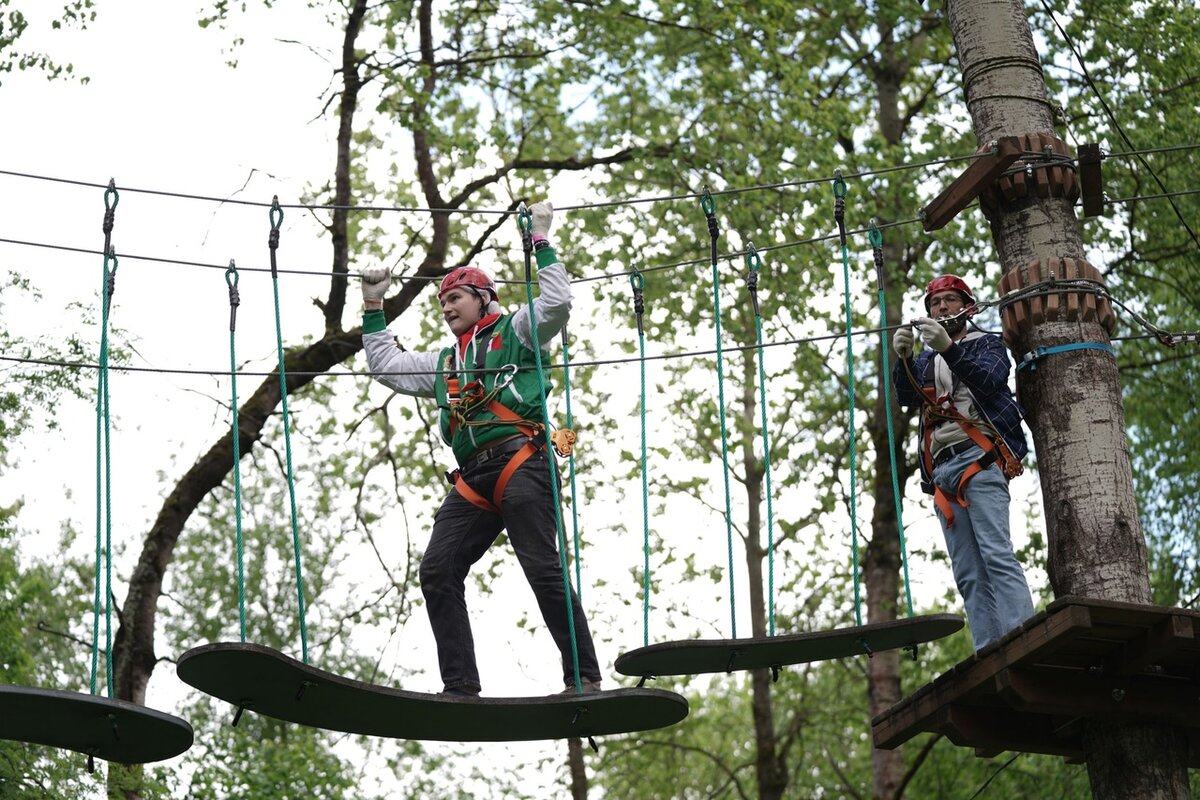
x: 709, y: 206
x: 639, y: 302
x: 875, y: 237
x: 839, y: 205
x: 276, y: 215
x: 235, y: 299
x: 110, y: 211
x: 753, y: 265
x: 839, y: 185
x: 110, y: 277
x: 524, y: 219
x: 753, y: 259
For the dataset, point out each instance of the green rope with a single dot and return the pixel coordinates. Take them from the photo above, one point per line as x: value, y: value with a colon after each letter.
x: 638, y: 283
x: 103, y: 419
x: 753, y: 266
x: 525, y: 225
x: 839, y: 192
x: 231, y: 280
x: 276, y: 216
x: 571, y: 465
x: 709, y: 206
x: 875, y: 236
x: 104, y: 458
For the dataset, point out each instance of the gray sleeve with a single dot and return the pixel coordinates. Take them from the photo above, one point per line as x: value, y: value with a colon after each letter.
x: 407, y: 373
x: 552, y: 306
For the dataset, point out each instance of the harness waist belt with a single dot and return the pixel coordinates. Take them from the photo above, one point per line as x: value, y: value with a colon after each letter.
x: 502, y: 449
x: 950, y: 451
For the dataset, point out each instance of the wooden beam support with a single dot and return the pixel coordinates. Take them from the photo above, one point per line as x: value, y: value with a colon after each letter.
x: 1095, y: 696
x: 1091, y: 179
x: 982, y: 172
x: 1155, y: 645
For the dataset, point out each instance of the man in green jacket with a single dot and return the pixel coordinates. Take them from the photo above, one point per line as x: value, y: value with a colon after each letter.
x: 487, y: 390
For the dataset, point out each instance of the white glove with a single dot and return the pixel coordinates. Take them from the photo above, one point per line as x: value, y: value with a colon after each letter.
x: 543, y: 218
x: 902, y: 342
x: 934, y: 334
x: 375, y: 283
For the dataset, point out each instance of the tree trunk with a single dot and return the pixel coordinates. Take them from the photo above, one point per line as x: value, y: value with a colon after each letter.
x: 769, y: 759
x: 1073, y: 403
x: 882, y: 557
x: 578, y: 769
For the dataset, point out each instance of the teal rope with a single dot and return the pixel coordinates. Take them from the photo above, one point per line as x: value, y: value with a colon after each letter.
x: 273, y: 243
x: 231, y: 280
x: 104, y: 476
x: 709, y: 206
x: 108, y: 670
x: 638, y: 282
x: 104, y: 467
x: 1030, y: 359
x: 753, y: 266
x: 525, y: 225
x: 875, y: 236
x: 839, y: 192
x: 571, y: 465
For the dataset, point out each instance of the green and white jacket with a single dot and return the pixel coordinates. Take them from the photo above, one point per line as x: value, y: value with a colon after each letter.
x: 494, y: 343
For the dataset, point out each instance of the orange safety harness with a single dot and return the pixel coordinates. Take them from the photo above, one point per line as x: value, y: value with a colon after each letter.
x: 995, y: 449
x: 471, y: 399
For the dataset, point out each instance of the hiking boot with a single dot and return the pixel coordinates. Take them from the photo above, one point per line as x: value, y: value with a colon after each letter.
x: 589, y: 686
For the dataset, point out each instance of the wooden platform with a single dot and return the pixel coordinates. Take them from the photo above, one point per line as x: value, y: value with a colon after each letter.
x: 700, y: 656
x: 1080, y: 659
x: 264, y: 681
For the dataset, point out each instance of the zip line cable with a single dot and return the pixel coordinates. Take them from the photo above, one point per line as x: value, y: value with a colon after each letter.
x: 402, y: 279
x: 1181, y: 337
x: 430, y: 279
x: 509, y: 212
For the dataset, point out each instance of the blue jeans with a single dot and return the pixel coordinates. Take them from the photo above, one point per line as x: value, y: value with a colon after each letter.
x: 989, y: 577
x: 462, y: 533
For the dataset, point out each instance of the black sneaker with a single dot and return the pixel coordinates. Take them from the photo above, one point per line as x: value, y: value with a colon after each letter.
x: 459, y: 693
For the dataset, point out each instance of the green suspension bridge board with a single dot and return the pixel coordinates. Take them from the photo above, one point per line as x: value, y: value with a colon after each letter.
x: 265, y: 681
x: 698, y: 656
x: 101, y: 727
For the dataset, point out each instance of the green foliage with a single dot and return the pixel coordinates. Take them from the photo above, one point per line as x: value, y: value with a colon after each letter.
x: 14, y: 24
x: 1142, y: 68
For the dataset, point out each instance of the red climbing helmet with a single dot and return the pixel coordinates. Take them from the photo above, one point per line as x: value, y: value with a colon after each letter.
x: 945, y: 283
x: 473, y: 278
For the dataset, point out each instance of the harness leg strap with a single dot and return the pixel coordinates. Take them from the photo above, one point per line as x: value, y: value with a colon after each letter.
x: 470, y: 495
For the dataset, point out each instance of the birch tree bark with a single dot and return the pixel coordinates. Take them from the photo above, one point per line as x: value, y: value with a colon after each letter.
x: 1073, y: 403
